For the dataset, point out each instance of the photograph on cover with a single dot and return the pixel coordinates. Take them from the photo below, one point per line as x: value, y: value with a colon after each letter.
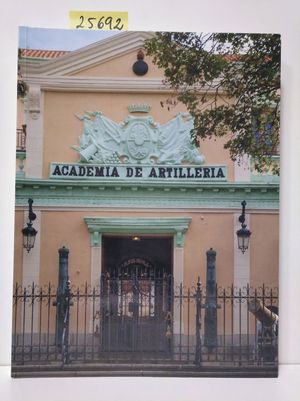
x: 147, y: 204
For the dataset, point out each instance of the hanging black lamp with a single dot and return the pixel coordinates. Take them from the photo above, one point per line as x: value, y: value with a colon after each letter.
x: 29, y: 232
x: 243, y: 234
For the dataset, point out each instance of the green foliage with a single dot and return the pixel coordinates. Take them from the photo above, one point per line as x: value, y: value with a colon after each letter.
x: 22, y: 87
x: 230, y: 83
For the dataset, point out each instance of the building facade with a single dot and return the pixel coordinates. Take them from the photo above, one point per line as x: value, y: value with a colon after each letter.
x: 115, y: 179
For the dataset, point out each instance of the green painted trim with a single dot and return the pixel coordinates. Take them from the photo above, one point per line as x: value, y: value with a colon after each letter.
x: 266, y: 178
x: 174, y: 226
x: 21, y: 154
x: 20, y: 173
x: 96, y: 238
x: 168, y: 195
x: 179, y: 239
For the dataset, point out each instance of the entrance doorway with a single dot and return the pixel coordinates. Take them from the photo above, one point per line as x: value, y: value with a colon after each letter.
x: 136, y: 287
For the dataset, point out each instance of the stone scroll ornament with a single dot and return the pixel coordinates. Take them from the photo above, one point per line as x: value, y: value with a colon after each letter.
x: 137, y: 140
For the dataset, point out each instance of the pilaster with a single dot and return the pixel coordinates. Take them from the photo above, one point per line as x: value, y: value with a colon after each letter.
x: 241, y: 275
x: 96, y: 258
x: 34, y: 138
x: 31, y: 272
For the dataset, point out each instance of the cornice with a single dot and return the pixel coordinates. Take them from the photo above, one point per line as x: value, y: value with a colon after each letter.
x: 103, y: 84
x: 116, y: 209
x: 141, y: 225
x: 95, y: 84
x: 229, y: 185
x: 142, y: 194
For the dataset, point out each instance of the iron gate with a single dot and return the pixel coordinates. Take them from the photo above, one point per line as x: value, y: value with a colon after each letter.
x: 144, y: 319
x: 135, y: 301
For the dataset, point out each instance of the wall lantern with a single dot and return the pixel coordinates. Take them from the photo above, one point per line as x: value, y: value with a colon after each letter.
x: 243, y: 234
x: 29, y: 233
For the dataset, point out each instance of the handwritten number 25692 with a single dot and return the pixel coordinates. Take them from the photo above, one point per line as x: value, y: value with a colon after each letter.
x: 102, y: 22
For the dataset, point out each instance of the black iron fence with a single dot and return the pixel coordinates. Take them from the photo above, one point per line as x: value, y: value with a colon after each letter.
x: 145, y: 320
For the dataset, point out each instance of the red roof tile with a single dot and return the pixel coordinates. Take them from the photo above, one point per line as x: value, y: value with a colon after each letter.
x: 45, y: 54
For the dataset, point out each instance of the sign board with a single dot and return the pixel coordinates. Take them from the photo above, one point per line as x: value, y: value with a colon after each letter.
x: 138, y: 172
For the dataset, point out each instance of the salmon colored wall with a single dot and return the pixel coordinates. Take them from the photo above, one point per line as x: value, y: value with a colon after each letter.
x: 215, y: 153
x: 264, y: 248
x: 62, y: 128
x: 64, y: 229
x: 205, y: 231
x: 18, y: 248
x: 209, y: 231
x: 121, y: 67
x: 69, y: 229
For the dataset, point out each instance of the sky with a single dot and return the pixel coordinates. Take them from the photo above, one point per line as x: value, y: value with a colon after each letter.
x: 59, y: 39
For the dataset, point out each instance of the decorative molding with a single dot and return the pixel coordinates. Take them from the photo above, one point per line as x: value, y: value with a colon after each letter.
x: 113, y: 225
x: 95, y: 84
x: 58, y: 74
x: 21, y: 157
x: 139, y: 108
x: 33, y: 103
x: 91, y: 55
x: 96, y: 238
x: 137, y: 140
x: 202, y: 210
x: 35, y: 133
x: 179, y: 239
x: 21, y: 154
x: 103, y: 84
x: 142, y: 194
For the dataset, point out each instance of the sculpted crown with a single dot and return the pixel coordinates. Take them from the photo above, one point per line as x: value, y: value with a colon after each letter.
x: 139, y: 108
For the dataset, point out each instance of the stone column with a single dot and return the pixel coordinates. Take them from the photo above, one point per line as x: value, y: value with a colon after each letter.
x: 178, y: 268
x: 31, y: 260
x: 241, y: 276
x: 96, y: 258
x: 96, y: 270
x: 242, y: 172
x: 34, y: 132
x: 31, y: 272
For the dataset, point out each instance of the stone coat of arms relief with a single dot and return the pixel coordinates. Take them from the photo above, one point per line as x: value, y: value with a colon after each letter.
x: 137, y: 140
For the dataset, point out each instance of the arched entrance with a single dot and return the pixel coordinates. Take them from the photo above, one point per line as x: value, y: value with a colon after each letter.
x: 136, y: 287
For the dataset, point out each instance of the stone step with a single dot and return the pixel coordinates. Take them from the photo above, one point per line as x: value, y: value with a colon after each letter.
x: 154, y: 370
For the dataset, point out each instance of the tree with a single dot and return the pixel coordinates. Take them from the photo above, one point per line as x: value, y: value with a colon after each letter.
x: 230, y: 83
x: 22, y: 87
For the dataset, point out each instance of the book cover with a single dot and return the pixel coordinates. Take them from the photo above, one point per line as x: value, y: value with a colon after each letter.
x: 147, y: 204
